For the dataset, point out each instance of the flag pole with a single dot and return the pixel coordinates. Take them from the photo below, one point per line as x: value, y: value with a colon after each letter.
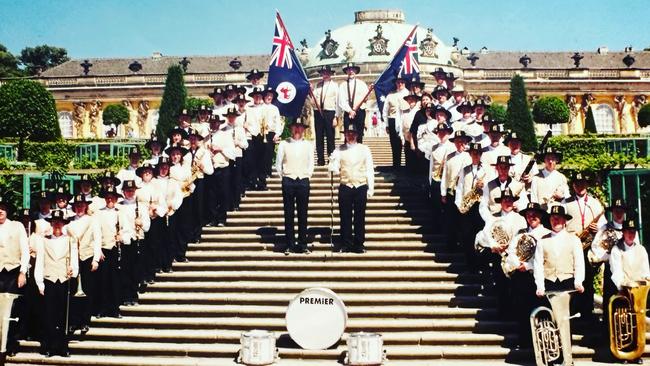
x: 372, y: 86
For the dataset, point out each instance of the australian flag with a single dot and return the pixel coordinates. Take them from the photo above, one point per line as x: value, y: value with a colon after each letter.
x: 404, y: 64
x: 286, y: 75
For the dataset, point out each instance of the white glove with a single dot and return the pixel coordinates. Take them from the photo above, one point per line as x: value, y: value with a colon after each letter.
x: 370, y: 193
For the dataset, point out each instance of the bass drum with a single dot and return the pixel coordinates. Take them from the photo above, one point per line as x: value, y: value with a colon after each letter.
x: 365, y: 349
x: 257, y: 348
x: 316, y: 318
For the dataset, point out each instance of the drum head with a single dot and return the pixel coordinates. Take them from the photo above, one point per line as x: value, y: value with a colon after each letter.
x: 316, y: 318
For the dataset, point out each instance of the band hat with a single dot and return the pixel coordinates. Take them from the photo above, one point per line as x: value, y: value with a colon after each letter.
x: 8, y: 206
x: 460, y: 134
x: 442, y: 126
x: 229, y: 88
x: 205, y: 109
x: 109, y: 191
x: 440, y: 89
x: 62, y: 192
x: 57, y: 215
x: 215, y: 119
x: 176, y: 147
x: 512, y: 135
x: 255, y: 74
x: 185, y: 114
x: 326, y: 69
x: 240, y: 98
x: 617, y: 203
x: 496, y: 128
x: 414, y: 81
x: 551, y: 151
x: 26, y: 214
x: 559, y: 210
x: 458, y: 88
x: 439, y: 108
x: 163, y: 160
x: 582, y: 176
x: 351, y: 128
x: 630, y: 225
x: 154, y: 140
x: 503, y: 160
x: 110, y: 176
x: 215, y: 92
x: 84, y: 178
x: 487, y: 118
x: 450, y: 76
x: 399, y: 78
x: 129, y: 184
x: 194, y: 132
x: 351, y: 65
x: 534, y: 207
x: 439, y: 71
x: 255, y: 91
x: 465, y: 105
x: 78, y: 199
x: 241, y: 89
x: 412, y: 96
x: 179, y: 131
x: 140, y: 171
x: 298, y: 122
x: 270, y: 89
x: 506, y: 194
x: 480, y: 102
x: 475, y: 146
x: 231, y: 112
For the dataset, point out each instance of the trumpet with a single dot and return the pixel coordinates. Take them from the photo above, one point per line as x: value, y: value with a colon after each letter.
x: 627, y: 325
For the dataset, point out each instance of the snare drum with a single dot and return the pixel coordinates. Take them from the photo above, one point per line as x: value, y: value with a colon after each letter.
x: 365, y: 349
x: 257, y: 348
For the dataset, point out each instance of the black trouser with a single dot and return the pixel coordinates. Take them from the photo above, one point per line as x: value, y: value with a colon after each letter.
x: 180, y: 228
x: 109, y: 284
x: 9, y: 284
x: 221, y: 183
x: 609, y: 290
x: 257, y: 153
x: 129, y: 271
x: 410, y: 159
x: 471, y: 224
x: 359, y: 122
x: 88, y: 303
x: 501, y: 285
x: 269, y: 152
x: 524, y: 300
x: 295, y: 196
x: 149, y: 260
x: 395, y: 142
x: 557, y: 285
x: 437, y: 207
x: 584, y: 302
x: 56, y: 341
x: 323, y: 129
x: 196, y: 218
x: 451, y: 218
x: 165, y: 246
x: 247, y: 167
x: 236, y: 182
x: 352, y: 206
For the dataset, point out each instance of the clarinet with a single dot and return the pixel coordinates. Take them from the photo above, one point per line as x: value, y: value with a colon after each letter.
x: 533, y: 161
x: 117, y: 243
x: 137, y: 215
x: 29, y: 235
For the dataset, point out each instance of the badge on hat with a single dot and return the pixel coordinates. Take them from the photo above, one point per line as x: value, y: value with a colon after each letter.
x: 109, y: 178
x: 533, y: 207
x: 129, y: 184
x: 442, y: 126
x: 474, y: 146
x: 630, y: 225
x: 461, y: 136
x: 503, y: 160
x: 78, y: 199
x: 506, y: 194
x: 57, y: 215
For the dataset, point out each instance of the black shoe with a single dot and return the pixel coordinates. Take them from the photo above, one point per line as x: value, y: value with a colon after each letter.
x: 85, y: 329
x: 221, y: 224
x: 150, y: 282
x: 321, y: 163
x: 47, y: 354
x: 360, y: 249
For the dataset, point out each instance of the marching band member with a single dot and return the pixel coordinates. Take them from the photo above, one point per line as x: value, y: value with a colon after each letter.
x: 426, y: 135
x: 242, y: 162
x: 587, y: 216
x: 405, y: 125
x: 437, y: 156
x: 391, y: 114
x: 202, y: 120
x: 132, y: 232
x: 170, y: 201
x: 440, y: 77
x: 416, y: 86
x: 44, y: 202
x: 254, y: 124
x: 441, y: 96
x: 353, y: 162
x: 511, y: 223
x: 489, y: 206
x: 470, y: 178
x: 128, y: 173
x: 149, y: 195
x: 201, y: 166
x: 56, y: 262
x: 451, y: 167
x: 351, y: 95
x: 176, y: 136
x: 14, y: 265
x: 495, y: 148
x: 86, y: 189
x: 110, y: 223
x: 522, y: 281
x: 85, y: 234
x: 181, y: 222
x: 61, y: 199
x: 466, y: 122
x: 217, y: 99
x: 558, y: 264
x: 457, y: 98
x: 326, y: 94
x: 156, y: 148
x: 421, y: 117
x: 480, y: 106
x: 274, y: 128
x: 222, y: 146
x: 255, y: 78
x: 549, y: 185
x: 519, y: 159
x: 236, y: 164
x: 295, y: 164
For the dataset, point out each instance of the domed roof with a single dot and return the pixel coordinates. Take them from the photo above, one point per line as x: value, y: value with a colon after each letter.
x: 374, y: 37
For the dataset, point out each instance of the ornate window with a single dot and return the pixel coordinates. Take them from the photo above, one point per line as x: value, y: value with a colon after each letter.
x: 604, y: 118
x: 65, y: 124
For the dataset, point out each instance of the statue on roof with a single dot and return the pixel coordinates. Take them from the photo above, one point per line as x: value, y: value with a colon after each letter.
x: 428, y: 45
x: 329, y: 46
x: 378, y: 44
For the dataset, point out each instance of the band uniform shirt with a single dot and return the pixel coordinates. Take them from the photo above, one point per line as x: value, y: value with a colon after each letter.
x: 354, y: 162
x: 295, y: 159
x: 86, y: 233
x: 96, y: 203
x: 483, y: 139
x: 520, y: 162
x: 545, y: 184
x: 558, y: 256
x: 326, y: 94
x: 128, y: 231
x: 584, y: 210
x: 52, y: 253
x: 467, y: 179
x: 253, y: 120
x: 172, y: 197
x: 14, y: 247
x: 427, y: 138
x: 439, y: 151
x: 182, y: 174
x: 127, y: 173
x: 153, y: 160
x: 271, y: 118
x: 239, y: 137
x: 468, y: 125
x: 512, y: 260
x: 492, y: 190
x: 600, y: 254
x: 203, y: 158
x: 512, y: 223
x: 108, y: 219
x: 489, y: 155
x: 454, y: 162
x: 407, y: 116
x: 393, y: 106
x: 629, y: 264
x: 223, y: 139
x: 351, y: 93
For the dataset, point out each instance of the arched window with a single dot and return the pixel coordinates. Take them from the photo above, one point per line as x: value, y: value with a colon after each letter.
x: 65, y: 124
x: 604, y: 118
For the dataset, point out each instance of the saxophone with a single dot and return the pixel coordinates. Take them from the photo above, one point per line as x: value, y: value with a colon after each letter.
x: 627, y: 325
x: 472, y: 197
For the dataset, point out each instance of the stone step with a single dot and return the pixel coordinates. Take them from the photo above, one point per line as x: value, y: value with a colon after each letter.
x: 322, y: 192
x: 388, y: 204
x: 438, y: 251
x: 322, y: 213
x: 278, y: 221
x: 264, y: 234
x: 321, y: 265
x: 311, y: 258
x: 361, y: 274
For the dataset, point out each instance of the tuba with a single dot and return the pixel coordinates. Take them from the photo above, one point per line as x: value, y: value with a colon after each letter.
x: 627, y: 322
x: 6, y: 304
x: 551, y: 330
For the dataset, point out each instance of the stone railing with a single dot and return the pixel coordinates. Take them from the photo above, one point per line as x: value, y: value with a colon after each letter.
x: 86, y: 81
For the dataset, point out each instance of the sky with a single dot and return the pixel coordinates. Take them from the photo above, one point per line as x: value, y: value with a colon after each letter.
x: 129, y: 28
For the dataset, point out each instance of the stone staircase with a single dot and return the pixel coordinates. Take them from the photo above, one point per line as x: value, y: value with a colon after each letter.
x: 408, y: 286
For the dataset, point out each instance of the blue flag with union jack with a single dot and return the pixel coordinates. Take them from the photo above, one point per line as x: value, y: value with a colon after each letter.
x: 404, y: 64
x: 286, y: 75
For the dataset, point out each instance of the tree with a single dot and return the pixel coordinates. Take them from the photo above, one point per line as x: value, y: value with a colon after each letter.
x: 551, y: 111
x: 28, y: 112
x: 41, y: 58
x: 519, y: 119
x: 590, y: 122
x: 498, y: 112
x: 115, y: 114
x: 8, y: 63
x: 644, y: 116
x: 173, y: 101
